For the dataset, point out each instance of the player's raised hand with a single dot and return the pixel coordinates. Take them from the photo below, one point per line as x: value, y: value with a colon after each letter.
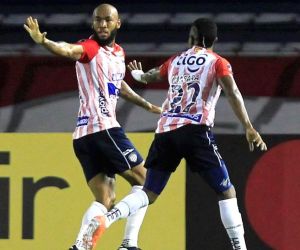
x: 136, y: 71
x: 254, y: 139
x: 32, y: 27
x: 134, y: 65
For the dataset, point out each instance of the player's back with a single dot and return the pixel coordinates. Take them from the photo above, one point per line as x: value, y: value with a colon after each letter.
x: 193, y: 88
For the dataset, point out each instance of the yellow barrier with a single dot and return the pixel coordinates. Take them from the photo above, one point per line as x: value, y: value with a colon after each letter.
x: 44, y: 195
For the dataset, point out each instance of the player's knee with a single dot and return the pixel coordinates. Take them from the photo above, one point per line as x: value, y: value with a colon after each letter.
x: 112, y: 201
x: 151, y: 196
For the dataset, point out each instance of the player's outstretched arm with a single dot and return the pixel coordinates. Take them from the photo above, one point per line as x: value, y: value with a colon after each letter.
x: 128, y: 94
x: 138, y: 74
x: 71, y: 51
x: 237, y: 103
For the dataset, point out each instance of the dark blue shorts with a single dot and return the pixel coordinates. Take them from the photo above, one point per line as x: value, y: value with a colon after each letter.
x: 108, y: 151
x: 194, y: 143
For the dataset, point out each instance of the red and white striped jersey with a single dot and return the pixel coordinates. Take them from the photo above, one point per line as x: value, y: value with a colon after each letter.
x: 193, y: 88
x: 100, y: 72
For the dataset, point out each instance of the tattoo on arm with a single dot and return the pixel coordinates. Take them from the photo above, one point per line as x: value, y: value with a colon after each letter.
x: 152, y: 75
x: 63, y: 49
x: 128, y: 94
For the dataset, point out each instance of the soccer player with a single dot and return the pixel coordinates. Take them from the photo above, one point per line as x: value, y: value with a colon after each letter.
x: 100, y: 144
x: 196, y: 77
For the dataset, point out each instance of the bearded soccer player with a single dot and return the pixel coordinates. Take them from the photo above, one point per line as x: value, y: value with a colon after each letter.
x: 100, y: 144
x: 196, y: 78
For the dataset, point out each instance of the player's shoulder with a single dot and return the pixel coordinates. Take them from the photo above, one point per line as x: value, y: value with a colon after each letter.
x: 118, y: 47
x: 219, y: 57
x: 119, y: 50
x: 223, y: 65
x: 88, y: 41
x: 90, y: 49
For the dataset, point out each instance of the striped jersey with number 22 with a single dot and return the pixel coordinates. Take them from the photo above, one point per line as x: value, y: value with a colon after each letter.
x: 193, y: 88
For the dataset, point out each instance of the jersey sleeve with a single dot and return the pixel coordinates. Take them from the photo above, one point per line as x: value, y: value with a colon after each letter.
x: 163, y: 69
x: 223, y: 67
x: 90, y: 49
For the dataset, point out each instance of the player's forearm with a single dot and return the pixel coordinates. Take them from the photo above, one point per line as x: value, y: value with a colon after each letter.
x: 60, y: 48
x: 152, y: 75
x: 138, y: 100
x: 237, y: 103
x: 128, y: 94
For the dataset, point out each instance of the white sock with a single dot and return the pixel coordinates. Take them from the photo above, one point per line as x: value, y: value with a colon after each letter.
x: 96, y: 209
x: 133, y: 224
x: 233, y: 223
x: 127, y: 207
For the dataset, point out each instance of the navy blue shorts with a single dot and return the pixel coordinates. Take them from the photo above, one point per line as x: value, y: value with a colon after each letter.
x: 108, y: 151
x: 194, y: 143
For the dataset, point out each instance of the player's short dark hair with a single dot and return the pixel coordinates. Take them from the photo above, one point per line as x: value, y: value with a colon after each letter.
x: 207, y: 31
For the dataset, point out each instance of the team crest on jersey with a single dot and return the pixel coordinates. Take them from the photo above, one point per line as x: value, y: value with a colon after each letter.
x: 132, y: 156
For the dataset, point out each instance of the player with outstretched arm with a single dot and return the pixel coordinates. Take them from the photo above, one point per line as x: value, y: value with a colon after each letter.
x: 100, y: 143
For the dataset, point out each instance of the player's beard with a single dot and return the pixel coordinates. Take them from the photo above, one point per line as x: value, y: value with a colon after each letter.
x: 106, y: 41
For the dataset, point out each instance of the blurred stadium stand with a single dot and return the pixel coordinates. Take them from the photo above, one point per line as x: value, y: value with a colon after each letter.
x: 245, y: 27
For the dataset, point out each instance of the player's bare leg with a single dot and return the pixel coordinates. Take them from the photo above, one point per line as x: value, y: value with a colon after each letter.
x: 102, y: 187
x: 130, y: 205
x: 231, y: 219
x: 97, y: 225
x: 136, y: 177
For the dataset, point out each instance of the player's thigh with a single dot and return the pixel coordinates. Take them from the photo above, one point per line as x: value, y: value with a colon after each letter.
x: 99, y: 180
x: 120, y: 151
x: 156, y: 181
x: 164, y: 153
x: 206, y: 160
x: 86, y: 153
x: 163, y: 159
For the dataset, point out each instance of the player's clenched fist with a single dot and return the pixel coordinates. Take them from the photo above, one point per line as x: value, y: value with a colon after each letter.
x: 32, y: 27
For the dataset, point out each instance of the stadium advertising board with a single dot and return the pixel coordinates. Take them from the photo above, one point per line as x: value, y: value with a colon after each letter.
x: 43, y: 196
